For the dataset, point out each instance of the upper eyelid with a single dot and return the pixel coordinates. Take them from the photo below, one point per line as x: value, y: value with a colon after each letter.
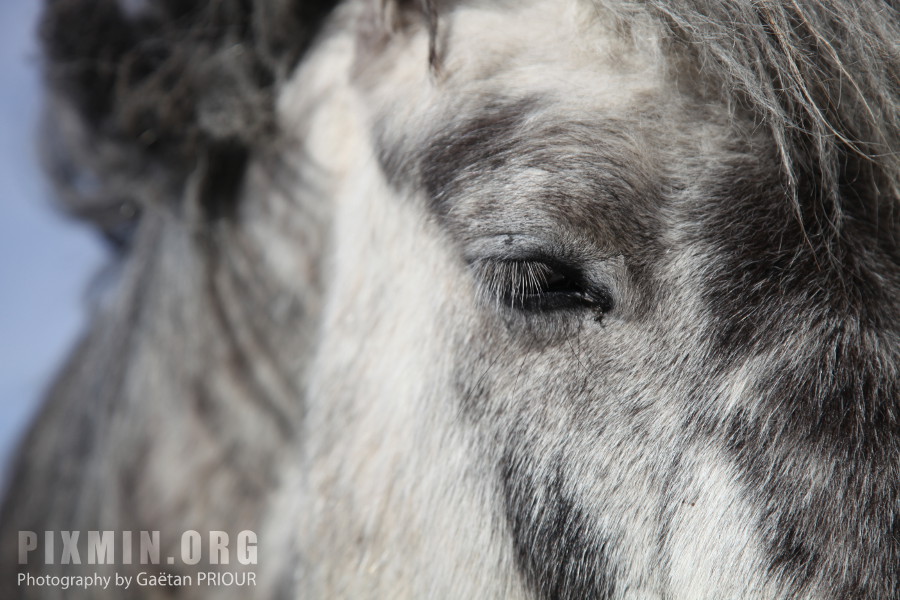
x: 594, y: 266
x: 509, y: 246
x: 557, y: 256
x: 521, y: 245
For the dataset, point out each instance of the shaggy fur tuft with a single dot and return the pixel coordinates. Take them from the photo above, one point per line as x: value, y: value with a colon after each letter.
x: 143, y: 91
x: 823, y: 76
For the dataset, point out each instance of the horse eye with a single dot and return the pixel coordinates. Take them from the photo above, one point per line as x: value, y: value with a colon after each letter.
x: 540, y: 285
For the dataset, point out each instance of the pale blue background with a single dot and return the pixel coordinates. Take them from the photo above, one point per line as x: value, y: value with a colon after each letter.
x: 46, y: 260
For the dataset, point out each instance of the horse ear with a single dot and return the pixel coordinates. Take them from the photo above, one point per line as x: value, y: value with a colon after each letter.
x: 159, y: 90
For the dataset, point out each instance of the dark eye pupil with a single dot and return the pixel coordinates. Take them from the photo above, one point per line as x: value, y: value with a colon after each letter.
x: 557, y: 282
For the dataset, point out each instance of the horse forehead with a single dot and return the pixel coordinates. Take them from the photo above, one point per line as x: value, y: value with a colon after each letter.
x: 556, y: 47
x: 548, y: 90
x: 570, y: 51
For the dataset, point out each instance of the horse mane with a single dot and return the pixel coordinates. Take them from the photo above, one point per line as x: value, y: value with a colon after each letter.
x: 824, y: 76
x: 142, y: 92
x: 141, y: 96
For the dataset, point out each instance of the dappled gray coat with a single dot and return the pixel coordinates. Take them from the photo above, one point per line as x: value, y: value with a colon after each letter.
x: 549, y: 299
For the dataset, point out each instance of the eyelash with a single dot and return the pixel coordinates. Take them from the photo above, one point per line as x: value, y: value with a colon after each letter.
x: 540, y: 285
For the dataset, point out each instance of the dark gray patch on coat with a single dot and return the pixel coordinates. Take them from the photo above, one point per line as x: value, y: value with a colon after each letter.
x: 823, y: 428
x: 479, y: 147
x: 836, y: 415
x: 561, y: 553
x: 592, y: 183
x: 776, y: 269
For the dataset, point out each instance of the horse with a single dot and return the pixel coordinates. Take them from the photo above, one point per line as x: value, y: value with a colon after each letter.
x: 570, y: 299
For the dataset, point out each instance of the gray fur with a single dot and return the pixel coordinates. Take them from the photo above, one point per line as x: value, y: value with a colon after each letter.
x: 538, y: 300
